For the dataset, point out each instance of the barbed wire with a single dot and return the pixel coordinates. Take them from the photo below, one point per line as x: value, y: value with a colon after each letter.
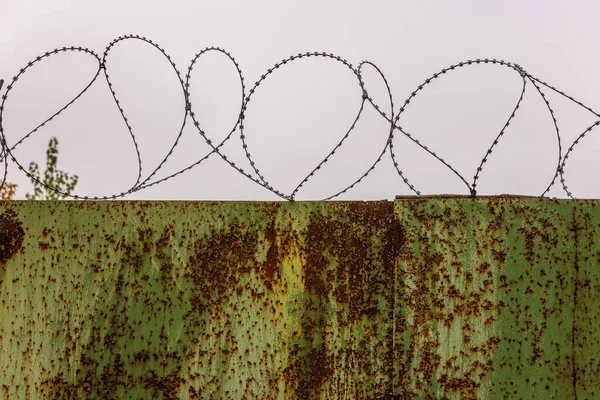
x: 392, y: 117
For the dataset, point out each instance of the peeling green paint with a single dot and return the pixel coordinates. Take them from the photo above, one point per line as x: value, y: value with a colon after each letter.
x: 456, y: 298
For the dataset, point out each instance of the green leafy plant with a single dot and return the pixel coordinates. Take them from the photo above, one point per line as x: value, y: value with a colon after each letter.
x: 53, y: 177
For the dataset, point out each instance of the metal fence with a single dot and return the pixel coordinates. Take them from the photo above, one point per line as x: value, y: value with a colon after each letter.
x: 420, y: 298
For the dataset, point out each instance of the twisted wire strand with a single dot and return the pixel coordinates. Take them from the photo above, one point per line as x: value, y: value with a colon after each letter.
x: 392, y: 117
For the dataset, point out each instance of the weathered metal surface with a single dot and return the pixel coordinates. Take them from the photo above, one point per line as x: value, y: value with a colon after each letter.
x: 586, y: 335
x: 488, y: 290
x: 417, y: 298
x: 197, y: 300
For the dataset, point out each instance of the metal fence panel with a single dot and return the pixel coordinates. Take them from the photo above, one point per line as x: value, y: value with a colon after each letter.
x: 417, y: 298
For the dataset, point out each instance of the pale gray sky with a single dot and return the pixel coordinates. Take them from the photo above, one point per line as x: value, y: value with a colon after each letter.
x: 302, y: 110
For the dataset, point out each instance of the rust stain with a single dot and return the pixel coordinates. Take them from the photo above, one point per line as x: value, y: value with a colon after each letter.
x: 113, y: 376
x: 11, y: 235
x: 363, y: 246
x: 448, y: 295
x: 168, y: 386
x: 271, y: 264
x: 350, y: 244
x: 104, y: 386
x: 161, y: 247
x: 419, y: 300
x: 218, y: 261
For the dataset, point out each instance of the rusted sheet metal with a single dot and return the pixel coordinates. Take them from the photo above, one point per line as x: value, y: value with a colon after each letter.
x: 586, y: 336
x: 417, y: 298
x: 197, y: 300
x: 497, y: 298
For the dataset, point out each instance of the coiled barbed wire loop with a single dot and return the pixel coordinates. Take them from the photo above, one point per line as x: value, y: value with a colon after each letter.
x: 392, y: 117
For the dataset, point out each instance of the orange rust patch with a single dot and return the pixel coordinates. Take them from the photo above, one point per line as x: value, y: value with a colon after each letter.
x: 353, y: 258
x: 315, y: 370
x: 11, y: 235
x: 272, y: 262
x: 168, y: 386
x: 218, y: 261
x: 349, y: 244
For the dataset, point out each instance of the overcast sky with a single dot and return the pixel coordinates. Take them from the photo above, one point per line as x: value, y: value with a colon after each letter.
x: 295, y: 118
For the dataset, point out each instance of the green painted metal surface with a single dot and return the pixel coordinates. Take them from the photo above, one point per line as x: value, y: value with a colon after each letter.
x: 492, y: 295
x: 443, y: 298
